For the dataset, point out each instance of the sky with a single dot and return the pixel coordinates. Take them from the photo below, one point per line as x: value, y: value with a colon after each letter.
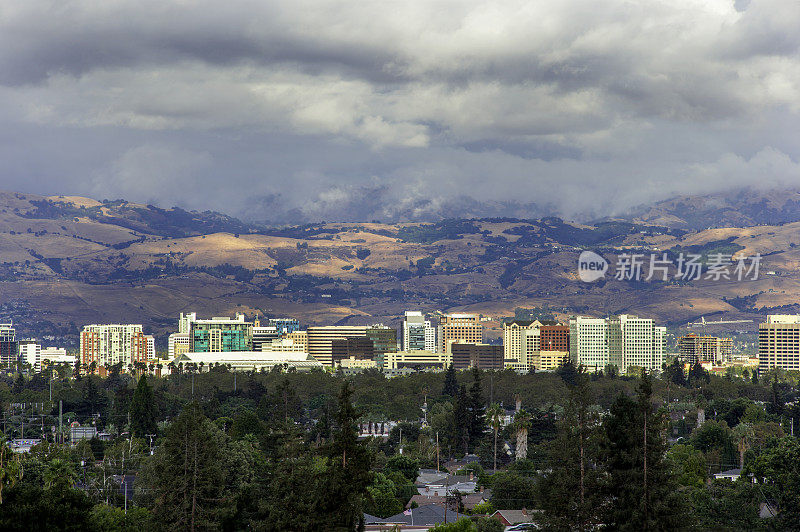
x: 298, y: 111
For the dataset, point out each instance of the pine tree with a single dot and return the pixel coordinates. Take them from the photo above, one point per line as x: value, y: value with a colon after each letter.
x: 477, y: 410
x: 349, y: 473
x: 185, y: 475
x: 571, y: 490
x: 461, y: 420
x: 640, y: 489
x: 143, y: 409
x: 450, y: 383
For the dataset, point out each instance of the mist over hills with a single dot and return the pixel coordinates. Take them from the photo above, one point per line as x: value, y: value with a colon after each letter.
x: 66, y: 261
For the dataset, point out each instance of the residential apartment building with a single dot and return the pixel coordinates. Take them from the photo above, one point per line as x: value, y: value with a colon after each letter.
x: 221, y: 334
x: 482, y: 356
x: 417, y: 333
x: 9, y: 349
x: 459, y: 328
x: 623, y: 341
x: 779, y: 343
x: 106, y: 345
x: 693, y: 348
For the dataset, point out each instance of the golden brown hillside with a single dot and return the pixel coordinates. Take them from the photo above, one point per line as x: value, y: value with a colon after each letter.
x: 66, y: 261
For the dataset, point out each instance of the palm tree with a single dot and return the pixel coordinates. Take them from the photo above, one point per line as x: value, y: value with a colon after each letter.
x: 60, y: 475
x: 10, y: 468
x: 743, y: 436
x: 495, y: 415
x: 522, y: 422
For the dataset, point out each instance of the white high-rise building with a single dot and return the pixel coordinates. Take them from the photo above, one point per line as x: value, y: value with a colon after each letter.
x: 178, y: 344
x: 185, y: 322
x: 30, y: 352
x: 624, y: 341
x: 418, y: 333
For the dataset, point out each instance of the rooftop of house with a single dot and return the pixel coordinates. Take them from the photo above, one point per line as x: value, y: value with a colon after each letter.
x: 427, y: 515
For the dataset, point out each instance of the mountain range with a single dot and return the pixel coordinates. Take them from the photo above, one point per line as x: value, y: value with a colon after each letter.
x: 66, y: 261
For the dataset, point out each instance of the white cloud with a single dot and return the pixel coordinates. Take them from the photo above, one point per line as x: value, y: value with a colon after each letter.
x: 626, y: 100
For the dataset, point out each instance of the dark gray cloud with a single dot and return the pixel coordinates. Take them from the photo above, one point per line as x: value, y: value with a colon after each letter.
x: 297, y: 111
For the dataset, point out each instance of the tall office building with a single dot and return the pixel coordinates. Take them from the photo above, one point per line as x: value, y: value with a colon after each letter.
x: 320, y: 340
x: 515, y: 338
x: 482, y: 356
x: 351, y: 347
x: 384, y: 340
x: 624, y: 341
x: 9, y: 349
x: 185, y: 322
x: 263, y: 336
x: 459, y: 328
x: 221, y: 334
x: 178, y: 344
x: 418, y: 334
x: 694, y: 348
x: 30, y: 352
x: 106, y: 345
x: 779, y: 343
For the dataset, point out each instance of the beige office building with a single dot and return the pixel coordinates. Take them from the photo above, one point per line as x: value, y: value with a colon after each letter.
x: 515, y: 339
x: 321, y: 340
x: 779, y: 343
x: 460, y: 329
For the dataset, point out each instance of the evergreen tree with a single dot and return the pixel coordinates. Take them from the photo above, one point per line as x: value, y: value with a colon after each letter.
x: 674, y: 372
x: 450, y: 383
x: 461, y: 420
x: 571, y: 497
x: 568, y: 372
x: 296, y: 481
x: 477, y: 410
x: 185, y: 476
x: 698, y: 375
x: 640, y: 488
x: 349, y: 473
x: 143, y: 409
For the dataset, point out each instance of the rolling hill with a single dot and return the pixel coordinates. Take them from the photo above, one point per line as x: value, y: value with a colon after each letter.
x: 66, y: 261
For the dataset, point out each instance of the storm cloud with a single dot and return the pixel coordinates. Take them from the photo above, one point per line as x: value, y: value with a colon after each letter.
x: 302, y: 111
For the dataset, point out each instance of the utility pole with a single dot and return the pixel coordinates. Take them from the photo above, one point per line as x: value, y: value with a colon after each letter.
x: 437, y: 451
x: 60, y: 420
